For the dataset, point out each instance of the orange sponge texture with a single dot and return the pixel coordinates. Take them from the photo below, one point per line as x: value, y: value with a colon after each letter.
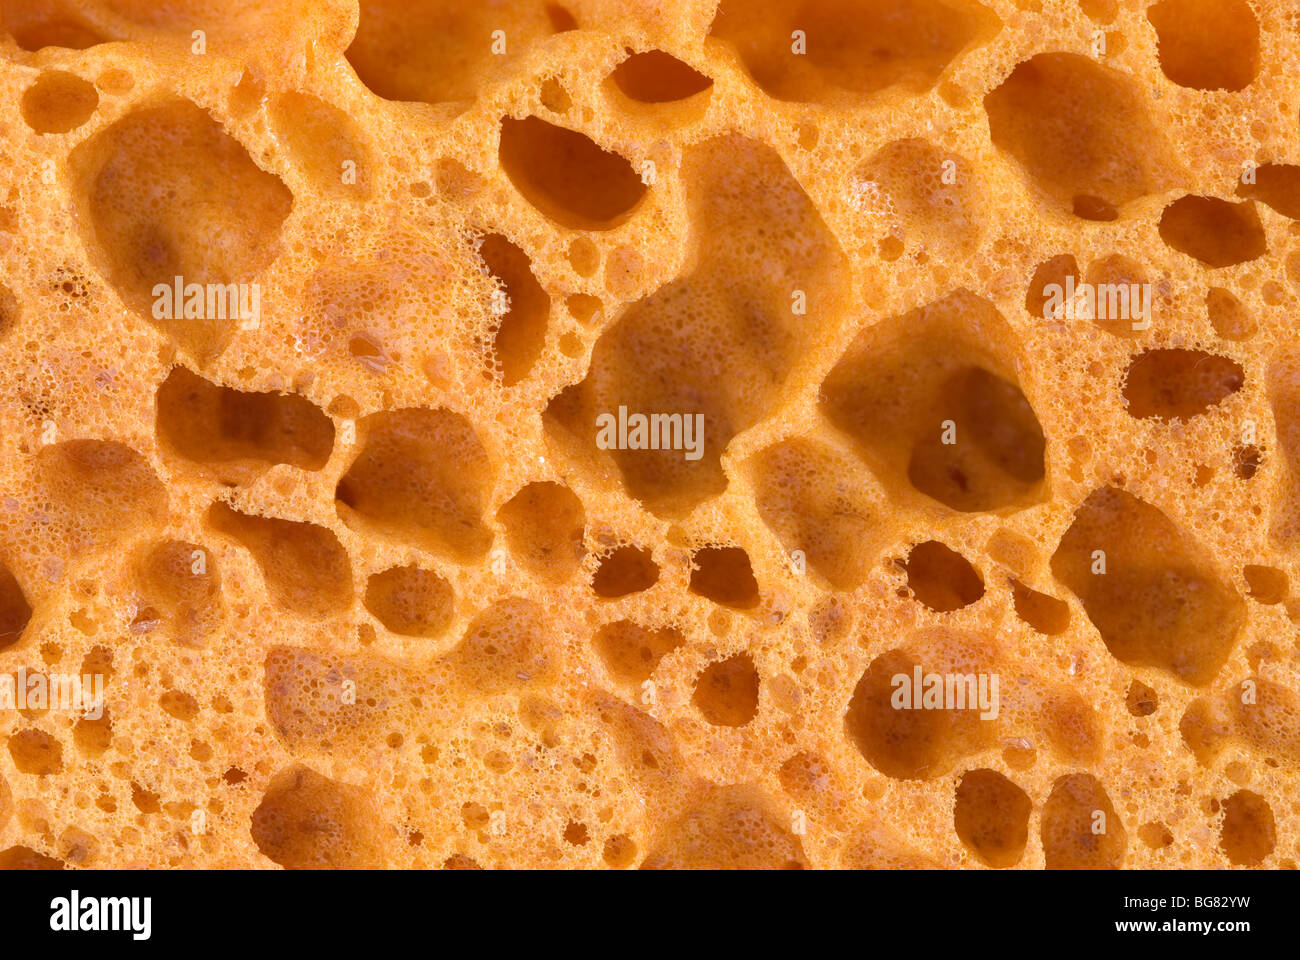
x: 311, y: 312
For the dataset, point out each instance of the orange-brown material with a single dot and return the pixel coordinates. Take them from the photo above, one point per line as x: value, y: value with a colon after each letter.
x: 365, y: 587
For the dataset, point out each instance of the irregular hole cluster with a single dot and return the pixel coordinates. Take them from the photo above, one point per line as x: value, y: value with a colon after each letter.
x: 542, y: 434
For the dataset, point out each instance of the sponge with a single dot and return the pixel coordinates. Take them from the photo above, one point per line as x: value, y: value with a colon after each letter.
x: 659, y: 433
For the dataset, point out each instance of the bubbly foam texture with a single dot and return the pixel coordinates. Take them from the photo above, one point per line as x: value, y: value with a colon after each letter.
x: 332, y: 518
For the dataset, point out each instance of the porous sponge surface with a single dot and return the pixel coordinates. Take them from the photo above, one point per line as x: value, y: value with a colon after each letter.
x: 366, y: 589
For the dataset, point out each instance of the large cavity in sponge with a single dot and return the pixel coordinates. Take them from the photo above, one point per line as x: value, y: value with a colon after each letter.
x: 720, y: 342
x: 435, y: 51
x: 369, y: 584
x: 821, y: 503
x: 843, y: 50
x: 419, y: 478
x: 568, y: 177
x: 94, y: 491
x: 1081, y: 131
x: 166, y: 193
x: 931, y: 399
x: 305, y: 567
x: 235, y: 432
x: 306, y: 821
x: 1151, y: 590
